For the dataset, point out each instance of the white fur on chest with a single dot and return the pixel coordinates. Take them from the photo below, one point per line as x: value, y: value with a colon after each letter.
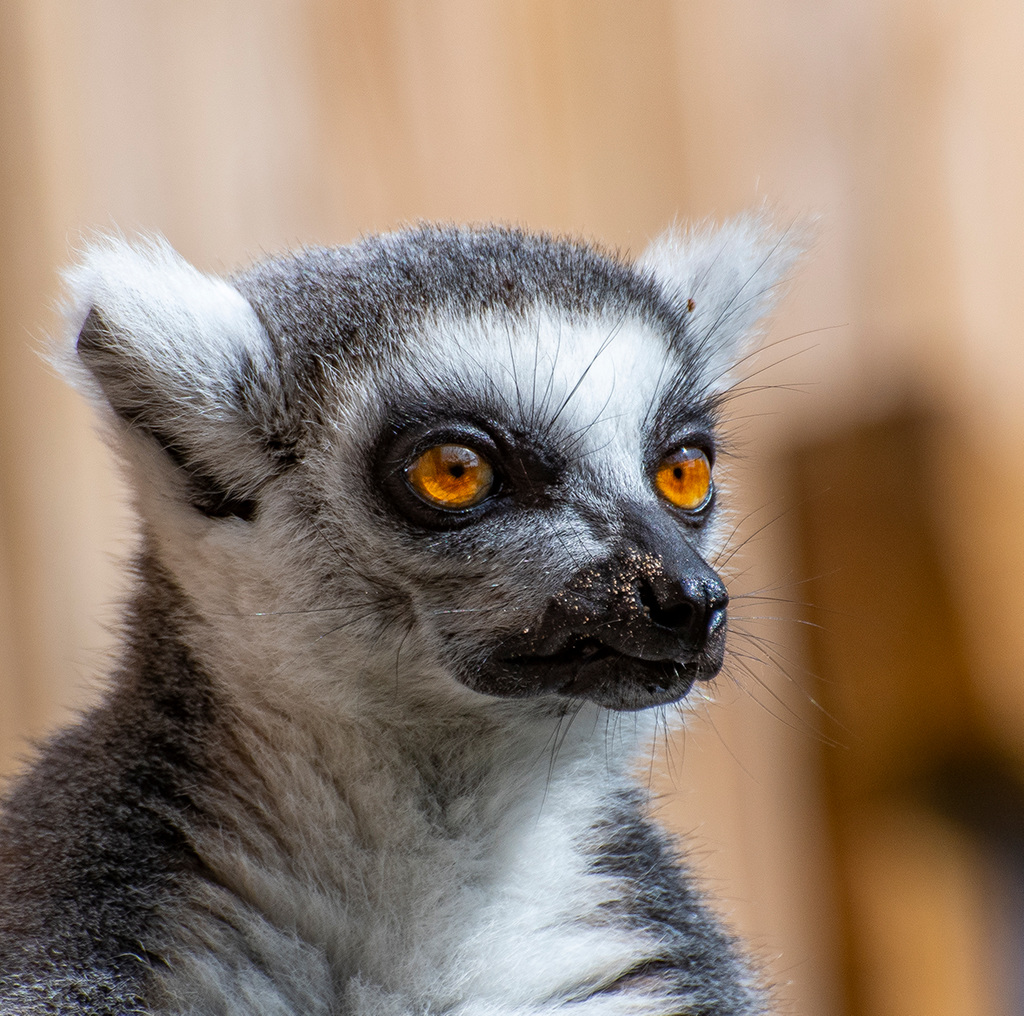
x: 367, y: 897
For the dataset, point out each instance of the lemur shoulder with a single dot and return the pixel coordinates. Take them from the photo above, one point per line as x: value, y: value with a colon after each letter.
x: 426, y: 524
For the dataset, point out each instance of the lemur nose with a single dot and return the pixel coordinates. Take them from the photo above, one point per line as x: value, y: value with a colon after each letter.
x: 693, y: 609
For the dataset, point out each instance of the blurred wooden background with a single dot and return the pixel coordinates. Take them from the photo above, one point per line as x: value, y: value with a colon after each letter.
x: 882, y: 468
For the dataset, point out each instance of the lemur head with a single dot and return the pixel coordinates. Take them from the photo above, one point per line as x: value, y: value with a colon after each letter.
x: 453, y: 459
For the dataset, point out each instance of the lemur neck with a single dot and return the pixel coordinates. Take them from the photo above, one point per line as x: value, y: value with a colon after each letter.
x: 304, y: 736
x: 394, y: 784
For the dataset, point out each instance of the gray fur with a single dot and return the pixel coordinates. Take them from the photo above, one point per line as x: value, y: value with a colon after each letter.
x: 356, y: 756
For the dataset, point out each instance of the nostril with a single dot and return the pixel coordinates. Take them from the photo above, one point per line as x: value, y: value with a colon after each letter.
x: 678, y: 613
x: 716, y: 619
x: 691, y: 610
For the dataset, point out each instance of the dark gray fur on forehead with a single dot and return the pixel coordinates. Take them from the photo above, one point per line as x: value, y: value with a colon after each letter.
x: 357, y: 301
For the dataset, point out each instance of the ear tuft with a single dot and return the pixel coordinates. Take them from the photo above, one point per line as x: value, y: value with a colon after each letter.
x: 173, y: 353
x: 140, y: 312
x: 724, y: 281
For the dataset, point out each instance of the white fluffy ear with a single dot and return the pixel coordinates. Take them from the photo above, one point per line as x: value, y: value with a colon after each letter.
x: 724, y: 281
x: 182, y: 360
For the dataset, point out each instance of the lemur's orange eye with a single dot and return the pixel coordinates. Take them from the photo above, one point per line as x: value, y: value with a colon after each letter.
x: 684, y: 479
x: 451, y: 476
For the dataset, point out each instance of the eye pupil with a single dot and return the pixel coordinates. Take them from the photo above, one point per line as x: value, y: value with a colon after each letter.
x: 457, y: 470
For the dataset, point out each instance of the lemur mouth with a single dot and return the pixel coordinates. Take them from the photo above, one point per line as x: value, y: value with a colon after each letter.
x: 624, y: 633
x: 578, y: 651
x: 585, y: 667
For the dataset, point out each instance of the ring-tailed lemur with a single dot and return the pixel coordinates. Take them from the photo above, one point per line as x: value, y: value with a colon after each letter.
x: 422, y: 519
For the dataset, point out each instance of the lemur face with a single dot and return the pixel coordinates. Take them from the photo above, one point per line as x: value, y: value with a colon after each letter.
x: 550, y: 479
x: 494, y: 453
